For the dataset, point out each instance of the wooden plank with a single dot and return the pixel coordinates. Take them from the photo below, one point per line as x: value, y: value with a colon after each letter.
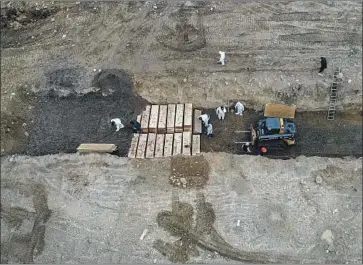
x: 96, y: 148
x: 197, y: 128
x: 179, y: 117
x: 188, y: 117
x: 154, y: 116
x: 138, y: 118
x: 187, y: 143
x: 133, y: 146
x: 196, y: 144
x: 163, y: 113
x: 145, y: 119
x: 168, y: 145
x: 170, y: 123
x: 141, y: 148
x: 159, y: 145
x: 150, y: 147
x: 177, y: 146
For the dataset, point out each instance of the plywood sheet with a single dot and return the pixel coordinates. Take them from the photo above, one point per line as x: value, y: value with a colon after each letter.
x: 133, y: 146
x: 177, y: 146
x: 170, y: 123
x: 150, y: 147
x: 163, y: 114
x: 196, y: 144
x: 188, y: 117
x: 168, y: 145
x: 187, y: 143
x: 141, y: 148
x: 279, y: 111
x: 197, y: 126
x: 159, y: 146
x: 154, y: 117
x: 145, y: 119
x: 97, y: 148
x: 179, y: 118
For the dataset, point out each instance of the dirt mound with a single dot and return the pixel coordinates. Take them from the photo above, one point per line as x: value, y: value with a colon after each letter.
x: 62, y: 123
x: 189, y: 172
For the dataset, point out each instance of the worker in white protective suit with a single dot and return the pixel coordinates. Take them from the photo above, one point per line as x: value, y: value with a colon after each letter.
x: 222, y: 57
x: 210, y: 130
x: 204, y: 118
x: 239, y: 108
x: 221, y: 112
x: 117, y: 122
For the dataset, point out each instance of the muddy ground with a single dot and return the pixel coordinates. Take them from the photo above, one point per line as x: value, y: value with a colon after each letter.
x: 94, y: 208
x: 316, y: 136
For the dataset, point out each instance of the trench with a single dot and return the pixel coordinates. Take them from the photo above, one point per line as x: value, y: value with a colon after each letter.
x: 62, y: 121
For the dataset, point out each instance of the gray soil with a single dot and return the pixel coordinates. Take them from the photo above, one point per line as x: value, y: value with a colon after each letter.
x: 93, y: 208
x: 316, y: 136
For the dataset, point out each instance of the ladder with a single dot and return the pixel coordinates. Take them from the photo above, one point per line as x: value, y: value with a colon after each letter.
x: 337, y: 80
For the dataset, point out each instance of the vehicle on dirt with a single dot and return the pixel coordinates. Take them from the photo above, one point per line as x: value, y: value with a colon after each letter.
x: 276, y: 130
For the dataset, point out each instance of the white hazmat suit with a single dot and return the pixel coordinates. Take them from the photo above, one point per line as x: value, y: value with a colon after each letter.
x: 205, y: 119
x: 222, y: 58
x: 239, y: 108
x: 210, y: 130
x: 117, y: 122
x: 221, y: 112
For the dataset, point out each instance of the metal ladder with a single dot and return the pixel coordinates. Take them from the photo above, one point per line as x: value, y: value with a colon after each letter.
x: 333, y: 94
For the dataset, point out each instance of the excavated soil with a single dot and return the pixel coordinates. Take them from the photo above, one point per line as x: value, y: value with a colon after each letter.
x: 316, y: 136
x: 61, y: 124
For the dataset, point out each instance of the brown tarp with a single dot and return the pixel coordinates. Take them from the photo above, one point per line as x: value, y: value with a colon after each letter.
x: 279, y: 111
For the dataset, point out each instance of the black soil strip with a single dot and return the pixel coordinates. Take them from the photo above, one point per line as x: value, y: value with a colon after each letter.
x: 316, y: 136
x: 61, y: 124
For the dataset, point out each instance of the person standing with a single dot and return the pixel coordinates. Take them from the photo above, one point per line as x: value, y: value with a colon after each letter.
x: 222, y: 57
x: 221, y: 112
x: 239, y: 108
x: 323, y: 64
x: 210, y: 130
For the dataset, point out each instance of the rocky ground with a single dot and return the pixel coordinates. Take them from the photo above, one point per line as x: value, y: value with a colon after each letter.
x: 67, y: 68
x: 94, y: 208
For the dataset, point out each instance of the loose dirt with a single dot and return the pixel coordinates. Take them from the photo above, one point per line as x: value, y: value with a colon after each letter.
x: 189, y: 172
x: 316, y: 136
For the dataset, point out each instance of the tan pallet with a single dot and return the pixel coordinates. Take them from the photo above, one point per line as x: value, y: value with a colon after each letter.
x: 150, y: 147
x: 159, y: 145
x: 168, y: 144
x: 197, y: 126
x: 196, y: 144
x: 154, y: 117
x: 177, y: 146
x: 145, y: 119
x: 187, y: 143
x: 133, y: 146
x: 163, y: 113
x: 179, y: 117
x: 188, y: 117
x: 141, y: 148
x: 170, y: 123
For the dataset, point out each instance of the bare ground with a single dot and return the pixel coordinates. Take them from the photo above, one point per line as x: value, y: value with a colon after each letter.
x: 93, y: 208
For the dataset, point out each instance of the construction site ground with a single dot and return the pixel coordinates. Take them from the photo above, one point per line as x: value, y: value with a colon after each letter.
x: 68, y: 68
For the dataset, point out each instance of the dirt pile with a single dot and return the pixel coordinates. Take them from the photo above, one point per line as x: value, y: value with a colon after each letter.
x: 61, y: 123
x: 189, y: 172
